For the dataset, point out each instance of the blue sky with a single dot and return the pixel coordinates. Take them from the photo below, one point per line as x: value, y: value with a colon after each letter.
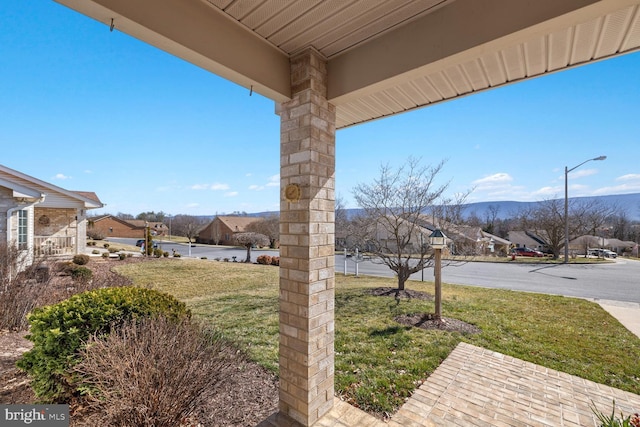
x: 93, y: 110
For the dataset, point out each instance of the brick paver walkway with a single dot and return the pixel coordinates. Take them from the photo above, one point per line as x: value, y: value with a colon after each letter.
x: 478, y: 387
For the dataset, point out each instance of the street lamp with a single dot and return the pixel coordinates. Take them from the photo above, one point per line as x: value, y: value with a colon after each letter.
x: 438, y: 241
x: 566, y: 205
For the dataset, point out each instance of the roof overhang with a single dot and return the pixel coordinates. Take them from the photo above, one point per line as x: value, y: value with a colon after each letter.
x: 383, y: 56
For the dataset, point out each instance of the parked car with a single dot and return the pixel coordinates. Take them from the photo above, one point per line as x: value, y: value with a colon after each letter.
x: 524, y: 251
x: 604, y: 253
x: 141, y: 241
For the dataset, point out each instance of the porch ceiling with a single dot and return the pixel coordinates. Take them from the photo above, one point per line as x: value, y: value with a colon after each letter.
x: 384, y: 56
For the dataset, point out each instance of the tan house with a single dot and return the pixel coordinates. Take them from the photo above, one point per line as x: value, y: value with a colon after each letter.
x: 41, y: 218
x: 222, y: 228
x: 112, y: 226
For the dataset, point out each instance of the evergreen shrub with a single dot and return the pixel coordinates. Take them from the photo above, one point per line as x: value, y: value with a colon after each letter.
x: 59, y: 332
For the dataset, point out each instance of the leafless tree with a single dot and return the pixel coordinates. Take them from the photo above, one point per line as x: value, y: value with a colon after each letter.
x: 248, y: 240
x: 546, y: 218
x: 269, y: 226
x: 187, y: 226
x: 393, y: 207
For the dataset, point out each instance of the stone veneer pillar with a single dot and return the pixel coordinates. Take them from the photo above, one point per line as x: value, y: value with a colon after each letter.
x: 307, y: 167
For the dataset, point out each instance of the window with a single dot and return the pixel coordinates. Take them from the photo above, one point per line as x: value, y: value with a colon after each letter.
x: 22, y: 229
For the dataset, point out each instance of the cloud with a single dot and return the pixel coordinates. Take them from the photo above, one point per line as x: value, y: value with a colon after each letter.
x: 496, y: 180
x: 213, y: 187
x: 629, y: 177
x: 582, y: 173
x: 231, y: 194
x: 272, y: 181
x: 61, y: 176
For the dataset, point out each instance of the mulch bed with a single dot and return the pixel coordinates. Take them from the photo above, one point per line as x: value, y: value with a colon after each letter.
x: 250, y: 396
x: 423, y: 320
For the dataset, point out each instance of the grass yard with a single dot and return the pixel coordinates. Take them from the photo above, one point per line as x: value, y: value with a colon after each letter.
x: 380, y: 362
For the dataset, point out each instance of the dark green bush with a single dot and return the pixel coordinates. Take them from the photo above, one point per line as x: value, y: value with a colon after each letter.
x: 105, y: 254
x: 113, y: 250
x: 81, y: 274
x: 121, y: 256
x: 59, y: 332
x: 81, y: 259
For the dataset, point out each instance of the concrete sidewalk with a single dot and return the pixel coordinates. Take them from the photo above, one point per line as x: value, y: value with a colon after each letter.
x: 627, y: 313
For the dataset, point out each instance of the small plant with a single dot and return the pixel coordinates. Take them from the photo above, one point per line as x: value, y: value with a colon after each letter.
x: 113, y: 250
x: 157, y: 252
x: 81, y: 274
x: 613, y: 420
x: 81, y: 259
x: 105, y: 245
x: 95, y: 234
x: 95, y: 252
x: 217, y: 258
x: 59, y: 331
x: 154, y: 372
x: 105, y: 254
x: 165, y: 254
x: 122, y: 256
x: 226, y: 259
x: 264, y: 259
x: 203, y: 257
x: 177, y: 254
x: 275, y: 260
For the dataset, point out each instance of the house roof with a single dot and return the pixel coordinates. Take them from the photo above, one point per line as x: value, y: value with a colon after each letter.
x: 25, y: 185
x: 238, y: 223
x: 383, y: 57
x: 525, y: 238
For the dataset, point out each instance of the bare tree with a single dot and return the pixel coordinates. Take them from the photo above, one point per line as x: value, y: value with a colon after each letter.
x: 187, y: 226
x: 248, y: 240
x: 269, y: 226
x: 393, y: 206
x: 546, y: 218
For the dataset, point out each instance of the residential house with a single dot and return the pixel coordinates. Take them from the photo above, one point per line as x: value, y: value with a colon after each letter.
x: 222, y: 228
x: 112, y: 226
x: 529, y: 239
x: 42, y: 218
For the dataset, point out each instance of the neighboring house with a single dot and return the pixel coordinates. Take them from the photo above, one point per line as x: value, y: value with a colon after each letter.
x: 111, y: 226
x: 529, y: 239
x: 41, y: 218
x: 222, y: 228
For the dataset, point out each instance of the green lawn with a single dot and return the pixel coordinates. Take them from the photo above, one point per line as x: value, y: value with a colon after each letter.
x: 380, y: 362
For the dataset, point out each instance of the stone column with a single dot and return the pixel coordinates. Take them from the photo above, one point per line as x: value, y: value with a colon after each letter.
x: 307, y: 174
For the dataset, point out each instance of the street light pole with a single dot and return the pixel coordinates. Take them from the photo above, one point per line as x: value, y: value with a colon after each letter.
x: 566, y: 205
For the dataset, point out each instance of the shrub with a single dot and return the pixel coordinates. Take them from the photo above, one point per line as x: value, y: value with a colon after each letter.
x: 177, y: 255
x: 95, y: 234
x: 275, y: 260
x: 105, y: 245
x: 203, y: 257
x: 157, y: 252
x: 58, y: 332
x: 264, y: 259
x: 165, y: 254
x: 113, y: 250
x: 81, y: 259
x: 20, y: 290
x: 154, y: 372
x: 105, y: 254
x: 81, y: 274
x: 95, y: 252
x: 122, y: 256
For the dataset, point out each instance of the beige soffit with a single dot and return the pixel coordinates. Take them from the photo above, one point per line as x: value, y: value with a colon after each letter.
x: 384, y: 56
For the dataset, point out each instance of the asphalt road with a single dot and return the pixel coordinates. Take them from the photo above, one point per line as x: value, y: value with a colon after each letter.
x: 617, y: 281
